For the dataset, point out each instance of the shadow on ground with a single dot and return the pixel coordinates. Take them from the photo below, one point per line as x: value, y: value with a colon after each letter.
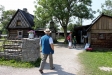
x: 61, y: 45
x: 57, y: 71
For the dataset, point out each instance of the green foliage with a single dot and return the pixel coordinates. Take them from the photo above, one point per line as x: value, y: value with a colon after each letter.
x: 42, y: 15
x: 15, y: 63
x: 6, y: 17
x: 70, y: 27
x: 61, y: 29
x: 106, y: 8
x: 36, y: 63
x: 93, y: 60
x: 1, y: 8
x: 60, y: 39
x: 61, y: 11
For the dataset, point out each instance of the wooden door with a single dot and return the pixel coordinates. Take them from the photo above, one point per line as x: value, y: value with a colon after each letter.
x: 20, y: 34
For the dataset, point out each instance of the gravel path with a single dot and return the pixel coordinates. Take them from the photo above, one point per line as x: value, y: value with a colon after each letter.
x: 65, y: 62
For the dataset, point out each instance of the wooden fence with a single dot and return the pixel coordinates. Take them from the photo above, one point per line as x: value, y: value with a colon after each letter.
x: 10, y: 49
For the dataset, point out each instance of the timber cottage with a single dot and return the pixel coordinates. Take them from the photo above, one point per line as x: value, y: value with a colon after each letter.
x: 20, y: 24
x: 98, y: 34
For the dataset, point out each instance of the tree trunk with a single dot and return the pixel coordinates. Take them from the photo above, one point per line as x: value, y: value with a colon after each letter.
x: 65, y: 33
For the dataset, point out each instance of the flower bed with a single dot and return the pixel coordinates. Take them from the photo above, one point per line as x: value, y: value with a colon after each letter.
x: 89, y: 49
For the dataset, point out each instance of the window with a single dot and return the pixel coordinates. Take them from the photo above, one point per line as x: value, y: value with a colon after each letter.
x: 20, y: 33
x: 18, y: 22
x: 101, y: 36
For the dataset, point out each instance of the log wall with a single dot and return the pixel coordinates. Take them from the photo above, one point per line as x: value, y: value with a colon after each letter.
x: 101, y: 33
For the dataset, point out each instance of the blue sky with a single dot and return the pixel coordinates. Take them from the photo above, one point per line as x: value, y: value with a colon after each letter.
x: 29, y: 4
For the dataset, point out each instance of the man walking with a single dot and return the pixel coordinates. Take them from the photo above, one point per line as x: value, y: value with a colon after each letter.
x: 46, y: 43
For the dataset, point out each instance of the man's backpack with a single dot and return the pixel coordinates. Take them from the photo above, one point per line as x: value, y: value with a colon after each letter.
x: 68, y: 37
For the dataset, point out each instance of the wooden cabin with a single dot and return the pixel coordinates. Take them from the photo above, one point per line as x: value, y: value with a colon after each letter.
x: 20, y: 24
x: 100, y: 32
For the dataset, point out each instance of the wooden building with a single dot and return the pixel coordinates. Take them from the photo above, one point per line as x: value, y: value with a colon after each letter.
x: 39, y: 32
x: 20, y: 24
x: 80, y: 33
x: 100, y: 32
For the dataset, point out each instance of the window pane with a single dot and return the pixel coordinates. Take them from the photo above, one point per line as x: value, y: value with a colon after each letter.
x: 18, y: 22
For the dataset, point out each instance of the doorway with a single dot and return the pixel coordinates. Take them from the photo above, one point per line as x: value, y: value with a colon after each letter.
x: 20, y: 34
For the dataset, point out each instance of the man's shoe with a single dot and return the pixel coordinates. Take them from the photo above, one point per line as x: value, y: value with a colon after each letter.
x: 41, y: 71
x: 53, y: 68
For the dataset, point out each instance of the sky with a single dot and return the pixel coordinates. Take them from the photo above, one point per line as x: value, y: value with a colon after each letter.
x: 29, y: 4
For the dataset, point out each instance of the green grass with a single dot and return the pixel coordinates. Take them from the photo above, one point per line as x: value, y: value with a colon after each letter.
x: 19, y: 64
x: 61, y: 39
x: 93, y: 60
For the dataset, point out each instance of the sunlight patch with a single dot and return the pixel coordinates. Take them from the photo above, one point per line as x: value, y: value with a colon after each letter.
x: 105, y: 68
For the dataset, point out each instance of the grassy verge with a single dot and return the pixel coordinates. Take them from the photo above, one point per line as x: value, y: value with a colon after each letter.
x: 19, y: 64
x: 93, y: 60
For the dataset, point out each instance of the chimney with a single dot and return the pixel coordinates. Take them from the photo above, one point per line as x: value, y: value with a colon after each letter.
x: 25, y: 9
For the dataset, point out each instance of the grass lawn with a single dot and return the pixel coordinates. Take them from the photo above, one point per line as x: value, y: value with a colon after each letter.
x: 93, y: 60
x: 19, y: 64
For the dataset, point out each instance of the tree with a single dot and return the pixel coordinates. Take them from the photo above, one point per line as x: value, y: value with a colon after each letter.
x: 106, y: 8
x: 1, y: 10
x: 70, y: 27
x: 6, y: 17
x: 61, y: 11
x: 1, y: 18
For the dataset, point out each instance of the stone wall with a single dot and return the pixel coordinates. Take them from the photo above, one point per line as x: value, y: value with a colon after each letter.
x: 30, y: 49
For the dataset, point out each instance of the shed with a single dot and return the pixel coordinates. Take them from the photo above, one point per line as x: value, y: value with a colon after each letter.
x: 100, y: 32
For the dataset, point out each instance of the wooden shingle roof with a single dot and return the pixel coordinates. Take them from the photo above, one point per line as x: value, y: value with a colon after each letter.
x: 96, y: 19
x: 81, y: 27
x: 27, y: 16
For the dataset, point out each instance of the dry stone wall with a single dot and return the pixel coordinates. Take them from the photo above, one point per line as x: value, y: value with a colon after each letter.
x: 30, y: 49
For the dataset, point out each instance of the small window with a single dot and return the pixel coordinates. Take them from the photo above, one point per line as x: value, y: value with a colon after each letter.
x: 18, y: 22
x: 20, y: 33
x: 101, y: 36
